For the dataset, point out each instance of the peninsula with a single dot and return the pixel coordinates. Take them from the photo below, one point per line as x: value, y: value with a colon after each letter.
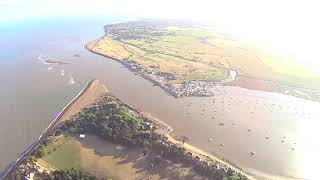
x: 194, y: 60
x: 98, y: 136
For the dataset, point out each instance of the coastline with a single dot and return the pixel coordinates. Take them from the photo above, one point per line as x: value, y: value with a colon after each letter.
x: 285, y: 87
x: 91, y: 93
x: 82, y: 99
x: 199, y: 88
x: 86, y: 97
x: 269, y: 85
x: 212, y: 88
x: 89, y: 47
x: 168, y: 132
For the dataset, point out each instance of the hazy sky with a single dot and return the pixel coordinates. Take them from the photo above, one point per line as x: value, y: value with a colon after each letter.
x: 289, y: 26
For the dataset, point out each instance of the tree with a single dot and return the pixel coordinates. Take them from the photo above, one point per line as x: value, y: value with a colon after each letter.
x: 184, y: 139
x: 38, y: 153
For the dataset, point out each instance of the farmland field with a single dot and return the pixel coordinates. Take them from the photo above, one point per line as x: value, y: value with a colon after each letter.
x: 197, y: 53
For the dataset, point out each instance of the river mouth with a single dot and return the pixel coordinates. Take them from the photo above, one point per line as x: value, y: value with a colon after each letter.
x: 34, y: 92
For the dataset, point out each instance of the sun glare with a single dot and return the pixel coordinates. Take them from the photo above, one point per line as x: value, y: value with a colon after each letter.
x: 288, y: 28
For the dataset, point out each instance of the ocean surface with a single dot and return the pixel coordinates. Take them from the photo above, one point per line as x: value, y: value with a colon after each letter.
x: 280, y: 129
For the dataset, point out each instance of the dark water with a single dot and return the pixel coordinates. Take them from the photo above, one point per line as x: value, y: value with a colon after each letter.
x: 32, y: 92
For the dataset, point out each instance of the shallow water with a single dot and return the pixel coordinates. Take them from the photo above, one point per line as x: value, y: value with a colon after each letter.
x: 33, y: 92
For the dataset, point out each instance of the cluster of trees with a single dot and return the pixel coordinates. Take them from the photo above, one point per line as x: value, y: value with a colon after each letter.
x: 169, y: 151
x: 112, y: 120
x: 39, y: 152
x: 202, y: 167
x: 72, y: 174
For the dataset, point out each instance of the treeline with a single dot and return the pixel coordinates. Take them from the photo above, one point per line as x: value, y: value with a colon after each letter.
x: 72, y: 174
x: 205, y: 167
x: 112, y: 120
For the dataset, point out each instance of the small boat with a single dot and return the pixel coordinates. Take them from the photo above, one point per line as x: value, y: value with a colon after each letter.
x: 252, y: 153
x: 221, y: 124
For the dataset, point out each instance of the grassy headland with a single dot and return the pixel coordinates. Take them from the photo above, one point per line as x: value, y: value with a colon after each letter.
x: 188, y: 60
x: 121, y: 143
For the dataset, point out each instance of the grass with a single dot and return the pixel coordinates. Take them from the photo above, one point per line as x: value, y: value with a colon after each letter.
x: 104, y: 159
x: 199, y: 53
x: 63, y: 153
x: 183, y: 54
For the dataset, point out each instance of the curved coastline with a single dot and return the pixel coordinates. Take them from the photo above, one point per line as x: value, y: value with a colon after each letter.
x: 168, y: 132
x: 66, y: 114
x: 234, y: 79
x: 89, y: 47
x: 167, y: 87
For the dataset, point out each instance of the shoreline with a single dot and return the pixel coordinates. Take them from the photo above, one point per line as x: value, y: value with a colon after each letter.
x: 168, y: 133
x: 63, y: 115
x: 206, y: 86
x: 252, y: 172
x: 125, y: 65
x: 267, y: 85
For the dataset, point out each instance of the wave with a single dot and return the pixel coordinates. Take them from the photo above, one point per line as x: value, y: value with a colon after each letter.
x: 62, y: 72
x: 40, y: 57
x: 71, y: 81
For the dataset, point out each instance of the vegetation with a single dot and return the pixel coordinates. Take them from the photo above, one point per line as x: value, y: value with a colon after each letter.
x: 183, y: 52
x: 38, y: 153
x: 112, y: 120
x: 72, y: 174
x: 63, y: 153
x: 198, y: 53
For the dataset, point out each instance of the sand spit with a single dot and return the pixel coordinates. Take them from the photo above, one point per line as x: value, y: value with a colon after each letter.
x: 89, y: 94
x: 92, y: 94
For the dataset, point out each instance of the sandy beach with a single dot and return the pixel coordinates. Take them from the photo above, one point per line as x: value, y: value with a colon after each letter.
x: 91, y: 94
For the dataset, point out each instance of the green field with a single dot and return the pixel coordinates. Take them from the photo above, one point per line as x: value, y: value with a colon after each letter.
x: 197, y: 53
x: 182, y: 52
x: 63, y: 153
